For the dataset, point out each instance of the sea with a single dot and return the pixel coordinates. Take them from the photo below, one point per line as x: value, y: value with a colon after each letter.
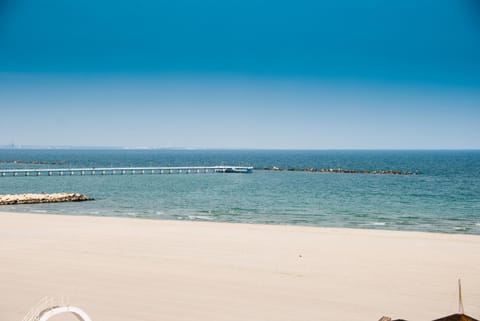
x: 443, y: 196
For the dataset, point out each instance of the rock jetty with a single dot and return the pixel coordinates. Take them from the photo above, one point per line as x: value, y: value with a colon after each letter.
x: 21, y: 162
x: 42, y: 198
x: 337, y: 170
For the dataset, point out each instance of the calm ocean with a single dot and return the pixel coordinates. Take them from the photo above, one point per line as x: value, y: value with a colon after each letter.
x: 443, y: 197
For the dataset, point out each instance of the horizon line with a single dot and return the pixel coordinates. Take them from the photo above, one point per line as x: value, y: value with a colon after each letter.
x: 60, y: 147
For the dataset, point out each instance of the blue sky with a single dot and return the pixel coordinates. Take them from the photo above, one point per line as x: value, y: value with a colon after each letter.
x: 241, y: 74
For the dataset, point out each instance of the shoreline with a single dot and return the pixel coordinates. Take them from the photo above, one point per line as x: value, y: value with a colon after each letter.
x: 311, y: 228
x: 364, y: 227
x: 185, y: 270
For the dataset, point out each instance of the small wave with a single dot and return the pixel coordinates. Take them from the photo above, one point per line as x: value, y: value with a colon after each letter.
x: 477, y: 224
x: 200, y: 217
x: 40, y: 211
x: 373, y: 224
x: 460, y: 228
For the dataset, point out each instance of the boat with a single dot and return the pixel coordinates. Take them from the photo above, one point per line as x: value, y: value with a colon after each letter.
x: 233, y: 169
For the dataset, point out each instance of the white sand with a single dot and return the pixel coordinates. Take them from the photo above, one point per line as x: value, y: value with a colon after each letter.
x: 131, y: 269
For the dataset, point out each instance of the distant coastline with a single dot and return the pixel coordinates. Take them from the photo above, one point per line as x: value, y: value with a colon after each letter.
x: 186, y: 148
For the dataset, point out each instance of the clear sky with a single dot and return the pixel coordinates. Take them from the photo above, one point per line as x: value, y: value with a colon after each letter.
x: 370, y: 74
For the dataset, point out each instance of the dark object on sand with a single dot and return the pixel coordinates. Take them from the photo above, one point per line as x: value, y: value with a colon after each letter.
x: 457, y: 317
x: 461, y: 316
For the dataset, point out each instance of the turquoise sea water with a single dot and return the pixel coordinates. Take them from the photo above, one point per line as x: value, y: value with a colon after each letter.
x: 443, y: 197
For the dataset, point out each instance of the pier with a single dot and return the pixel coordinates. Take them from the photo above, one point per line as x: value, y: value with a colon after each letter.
x: 124, y: 171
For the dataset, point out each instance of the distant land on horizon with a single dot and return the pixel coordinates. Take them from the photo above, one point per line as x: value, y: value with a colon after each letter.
x: 53, y: 147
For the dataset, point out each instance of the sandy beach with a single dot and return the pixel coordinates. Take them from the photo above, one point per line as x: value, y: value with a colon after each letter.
x: 133, y: 269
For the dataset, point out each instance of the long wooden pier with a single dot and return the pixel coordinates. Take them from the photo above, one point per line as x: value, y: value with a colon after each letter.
x: 123, y: 171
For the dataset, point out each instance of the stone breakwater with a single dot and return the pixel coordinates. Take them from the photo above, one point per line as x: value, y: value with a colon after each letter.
x: 42, y: 198
x: 20, y: 162
x: 337, y: 170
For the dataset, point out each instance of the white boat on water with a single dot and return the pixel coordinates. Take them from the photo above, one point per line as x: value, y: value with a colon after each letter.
x: 233, y: 169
